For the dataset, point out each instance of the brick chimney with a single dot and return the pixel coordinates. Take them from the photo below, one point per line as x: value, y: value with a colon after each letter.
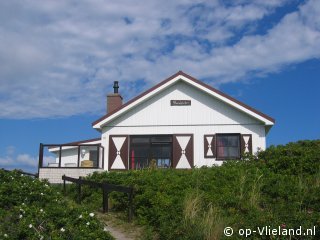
x: 114, y: 100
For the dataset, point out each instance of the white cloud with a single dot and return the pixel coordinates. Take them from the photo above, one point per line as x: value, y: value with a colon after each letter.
x: 59, y: 58
x: 21, y: 161
x: 14, y: 160
x: 26, y: 159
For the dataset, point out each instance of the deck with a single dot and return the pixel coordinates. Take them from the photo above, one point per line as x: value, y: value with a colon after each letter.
x: 75, y: 160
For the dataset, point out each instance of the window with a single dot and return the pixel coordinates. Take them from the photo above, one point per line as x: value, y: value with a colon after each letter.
x: 93, y: 156
x: 144, y: 149
x: 228, y: 146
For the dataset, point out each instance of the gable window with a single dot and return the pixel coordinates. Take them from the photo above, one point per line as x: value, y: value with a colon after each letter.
x: 228, y: 146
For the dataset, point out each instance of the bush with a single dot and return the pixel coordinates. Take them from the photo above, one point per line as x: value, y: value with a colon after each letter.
x: 33, y: 209
x: 279, y: 187
x: 302, y: 157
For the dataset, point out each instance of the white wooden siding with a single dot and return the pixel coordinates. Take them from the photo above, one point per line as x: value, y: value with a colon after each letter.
x: 206, y: 115
x: 204, y: 109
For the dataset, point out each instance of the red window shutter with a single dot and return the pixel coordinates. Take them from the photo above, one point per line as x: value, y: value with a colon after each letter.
x: 209, y: 142
x: 246, y: 143
x: 118, y: 152
x: 182, y: 151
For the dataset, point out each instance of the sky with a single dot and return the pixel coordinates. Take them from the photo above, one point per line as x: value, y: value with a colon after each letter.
x: 58, y: 60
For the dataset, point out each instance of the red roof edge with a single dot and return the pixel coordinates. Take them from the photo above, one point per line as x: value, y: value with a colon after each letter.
x: 229, y: 97
x: 137, y: 97
x: 196, y: 81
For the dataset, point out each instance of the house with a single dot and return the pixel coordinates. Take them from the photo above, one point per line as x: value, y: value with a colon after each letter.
x: 179, y: 123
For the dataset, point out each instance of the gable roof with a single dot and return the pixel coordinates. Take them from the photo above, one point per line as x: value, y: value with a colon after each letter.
x: 267, y: 120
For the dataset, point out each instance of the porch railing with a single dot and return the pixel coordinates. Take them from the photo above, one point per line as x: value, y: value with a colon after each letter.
x: 71, y: 156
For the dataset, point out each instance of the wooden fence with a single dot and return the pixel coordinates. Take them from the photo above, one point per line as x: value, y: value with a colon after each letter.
x: 106, y: 189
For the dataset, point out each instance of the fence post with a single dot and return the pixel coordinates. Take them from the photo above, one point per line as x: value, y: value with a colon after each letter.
x: 40, y: 164
x: 60, y: 152
x: 105, y: 196
x: 64, y: 185
x: 79, y: 190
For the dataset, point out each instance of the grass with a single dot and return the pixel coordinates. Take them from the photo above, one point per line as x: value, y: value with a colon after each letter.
x: 205, y: 220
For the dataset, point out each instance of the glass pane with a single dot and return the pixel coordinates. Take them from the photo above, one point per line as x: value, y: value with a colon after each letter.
x: 222, y: 141
x: 228, y: 146
x: 161, y: 151
x: 233, y: 152
x: 69, y: 156
x: 141, y: 151
x: 161, y: 139
x: 228, y: 152
x: 144, y: 149
x: 140, y: 140
x: 233, y: 141
x: 156, y: 151
x: 228, y: 140
x: 163, y: 163
x: 222, y: 152
x: 93, y: 156
x: 166, y: 151
x: 88, y: 156
x: 51, y: 156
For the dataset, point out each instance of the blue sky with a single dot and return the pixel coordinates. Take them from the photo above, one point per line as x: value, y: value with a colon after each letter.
x: 60, y: 58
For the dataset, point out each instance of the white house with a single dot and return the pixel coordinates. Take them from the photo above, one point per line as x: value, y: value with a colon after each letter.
x: 179, y: 123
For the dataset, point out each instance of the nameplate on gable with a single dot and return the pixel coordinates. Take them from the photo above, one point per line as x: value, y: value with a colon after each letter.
x: 180, y: 102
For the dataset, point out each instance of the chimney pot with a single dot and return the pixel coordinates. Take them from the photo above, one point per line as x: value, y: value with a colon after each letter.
x: 115, y: 87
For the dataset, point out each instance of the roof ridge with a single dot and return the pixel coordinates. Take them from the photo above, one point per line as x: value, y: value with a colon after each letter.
x: 137, y: 97
x: 194, y: 80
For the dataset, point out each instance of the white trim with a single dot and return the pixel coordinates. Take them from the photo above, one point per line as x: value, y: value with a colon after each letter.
x: 103, y: 122
x: 228, y: 101
x: 100, y: 124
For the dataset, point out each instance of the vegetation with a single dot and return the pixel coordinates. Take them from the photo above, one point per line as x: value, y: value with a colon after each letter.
x: 33, y: 209
x: 279, y: 187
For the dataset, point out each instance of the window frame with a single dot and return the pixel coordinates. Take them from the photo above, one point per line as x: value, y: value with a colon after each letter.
x: 149, y: 145
x: 222, y: 158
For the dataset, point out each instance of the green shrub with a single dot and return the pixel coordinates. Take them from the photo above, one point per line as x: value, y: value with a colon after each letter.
x: 33, y: 209
x: 278, y: 187
x: 302, y: 157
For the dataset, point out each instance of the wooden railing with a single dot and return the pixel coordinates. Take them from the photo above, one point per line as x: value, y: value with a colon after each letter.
x: 106, y: 189
x: 60, y: 148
